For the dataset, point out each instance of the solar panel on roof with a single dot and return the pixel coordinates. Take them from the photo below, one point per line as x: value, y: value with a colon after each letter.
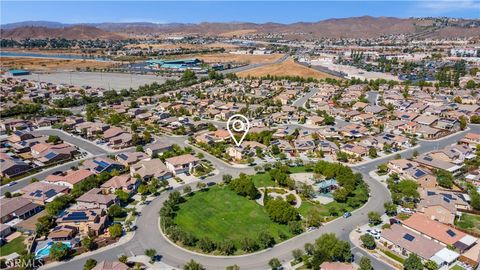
x: 50, y: 155
x: 428, y: 158
x: 431, y: 193
x: 446, y: 199
x: 451, y: 233
x: 123, y: 156
x: 419, y: 173
x: 408, y: 237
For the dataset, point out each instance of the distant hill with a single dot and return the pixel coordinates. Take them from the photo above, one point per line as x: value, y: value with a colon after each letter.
x: 82, y: 32
x: 34, y: 23
x: 355, y: 27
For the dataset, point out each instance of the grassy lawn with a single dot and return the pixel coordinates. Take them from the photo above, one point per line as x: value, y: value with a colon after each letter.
x: 16, y: 245
x: 299, y: 169
x: 469, y: 222
x: 457, y: 267
x: 220, y: 213
x: 263, y: 180
x: 393, y: 256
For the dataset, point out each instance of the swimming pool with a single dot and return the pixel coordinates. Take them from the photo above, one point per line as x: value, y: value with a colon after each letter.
x: 45, y: 251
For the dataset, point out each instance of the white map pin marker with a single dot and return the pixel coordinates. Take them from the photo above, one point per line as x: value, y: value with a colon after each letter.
x: 238, y: 123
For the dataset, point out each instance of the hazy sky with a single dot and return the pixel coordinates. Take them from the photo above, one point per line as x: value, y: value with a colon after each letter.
x: 227, y: 11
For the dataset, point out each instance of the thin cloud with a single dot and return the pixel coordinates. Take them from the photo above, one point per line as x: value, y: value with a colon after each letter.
x: 446, y: 6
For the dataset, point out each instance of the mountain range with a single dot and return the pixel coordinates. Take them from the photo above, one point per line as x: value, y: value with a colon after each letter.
x: 355, y: 27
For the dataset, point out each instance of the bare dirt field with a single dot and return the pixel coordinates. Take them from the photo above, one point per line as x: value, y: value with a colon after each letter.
x: 239, y: 58
x: 238, y: 32
x: 48, y: 64
x: 286, y: 68
x: 185, y: 46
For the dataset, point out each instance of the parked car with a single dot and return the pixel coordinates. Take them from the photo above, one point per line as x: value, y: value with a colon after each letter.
x: 12, y: 183
x: 347, y: 214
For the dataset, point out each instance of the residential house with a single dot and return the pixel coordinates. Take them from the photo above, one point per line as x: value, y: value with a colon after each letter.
x: 11, y: 166
x: 41, y: 192
x: 471, y: 139
x: 84, y: 220
x: 430, y: 162
x: 95, y: 198
x: 110, y: 265
x: 52, y: 153
x: 157, y: 148
x: 17, y: 207
x: 442, y: 233
x: 102, y: 164
x: 70, y: 178
x: 441, y: 206
x: 129, y: 158
x: 121, y: 182
x: 182, y: 164
x: 404, y: 241
x: 150, y: 168
x: 62, y: 233
x: 336, y: 266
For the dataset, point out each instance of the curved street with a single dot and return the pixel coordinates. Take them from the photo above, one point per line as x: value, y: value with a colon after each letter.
x: 148, y: 234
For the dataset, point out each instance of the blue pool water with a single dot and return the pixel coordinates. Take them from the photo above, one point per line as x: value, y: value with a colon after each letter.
x: 45, y: 251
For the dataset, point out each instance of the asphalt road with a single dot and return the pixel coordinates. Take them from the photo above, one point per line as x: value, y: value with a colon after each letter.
x: 149, y: 236
x: 301, y: 101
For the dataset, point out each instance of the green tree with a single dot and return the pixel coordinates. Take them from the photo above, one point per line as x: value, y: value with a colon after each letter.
x: 445, y: 178
x: 390, y: 208
x: 365, y: 264
x: 206, y: 245
x: 227, y: 178
x: 232, y: 267
x: 226, y: 247
x: 187, y: 190
x: 368, y: 241
x: 372, y: 152
x: 89, y: 264
x: 53, y: 139
x: 116, y: 211
x: 59, y: 251
x: 297, y: 254
x: 44, y: 224
x: 374, y: 218
x: 123, y: 196
x: 266, y: 240
x: 115, y: 230
x: 275, y: 263
x: 281, y: 211
x: 151, y: 253
x: 244, y: 186
x: 193, y: 265
x: 463, y: 122
x: 89, y: 243
x: 413, y: 262
x: 431, y: 265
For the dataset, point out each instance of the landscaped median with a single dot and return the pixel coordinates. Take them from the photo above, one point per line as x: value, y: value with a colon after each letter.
x: 239, y: 216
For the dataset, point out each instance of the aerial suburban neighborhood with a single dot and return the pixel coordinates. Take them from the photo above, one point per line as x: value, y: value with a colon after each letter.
x: 240, y: 139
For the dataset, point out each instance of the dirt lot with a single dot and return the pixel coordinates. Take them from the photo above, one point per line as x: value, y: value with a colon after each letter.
x: 238, y: 33
x: 286, y: 68
x: 239, y: 58
x: 48, y: 64
x: 185, y: 46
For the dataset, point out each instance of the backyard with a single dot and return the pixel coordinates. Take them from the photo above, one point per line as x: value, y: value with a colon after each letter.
x: 469, y: 222
x: 220, y: 214
x: 16, y: 245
